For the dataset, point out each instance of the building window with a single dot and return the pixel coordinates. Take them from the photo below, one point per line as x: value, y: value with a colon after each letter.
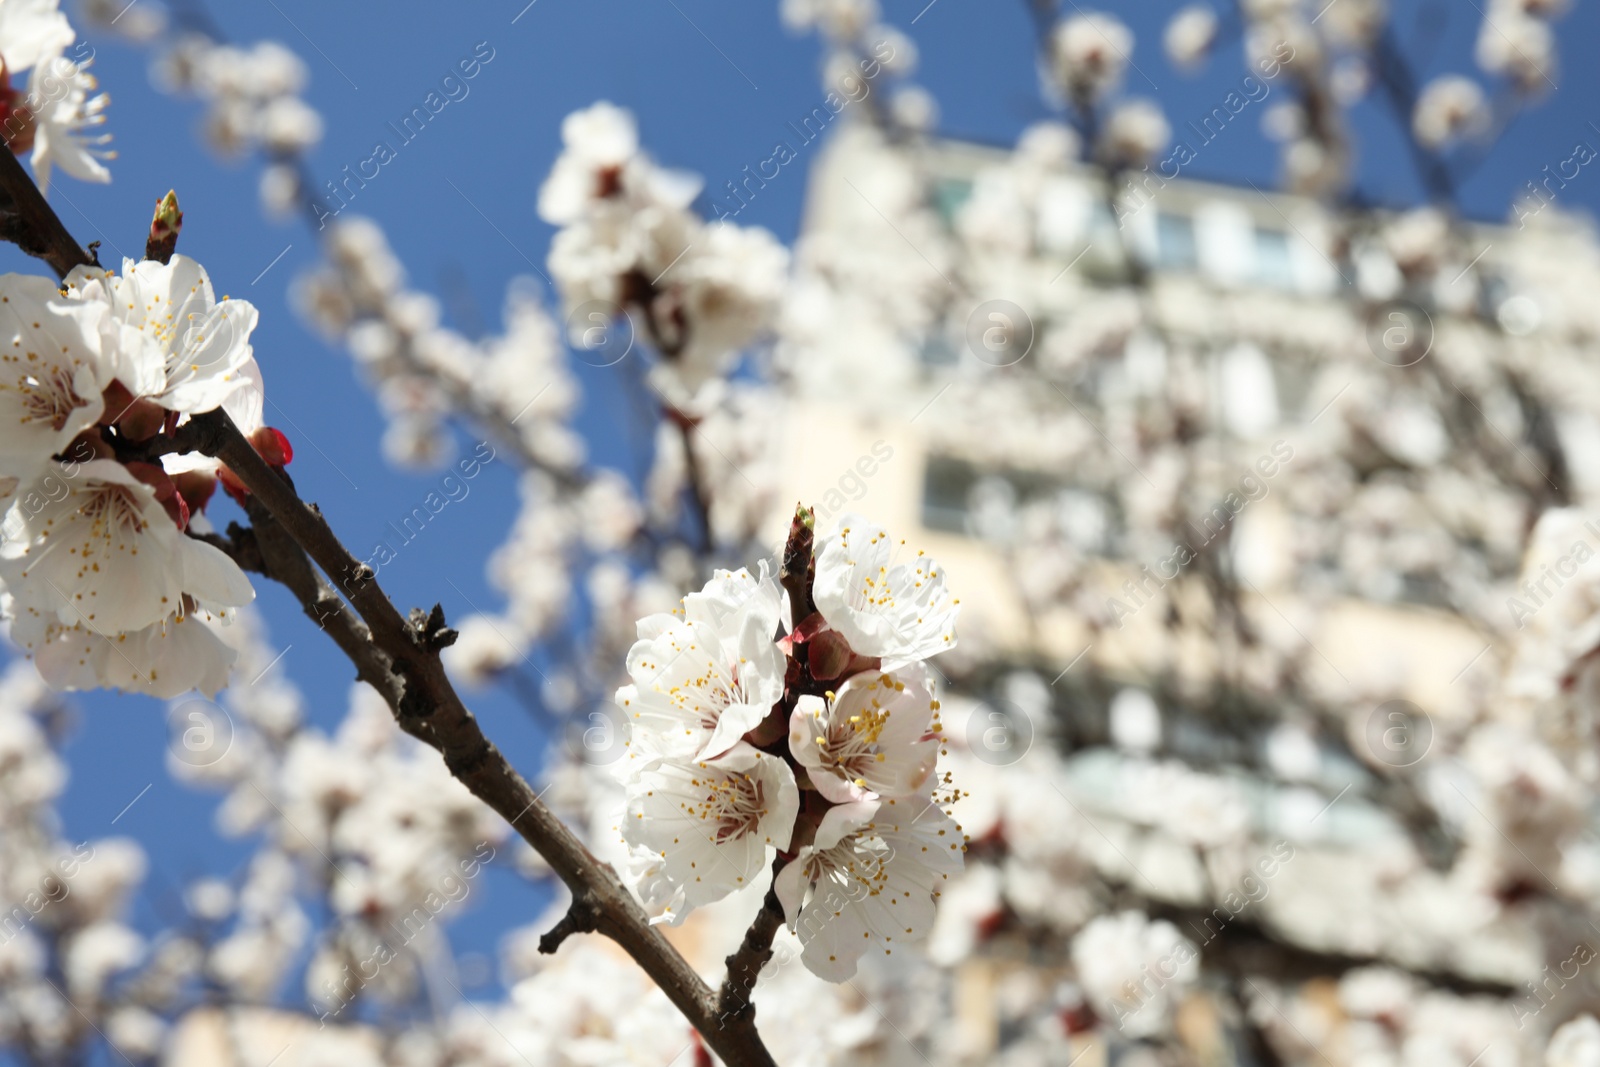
x: 949, y: 195
x: 938, y: 350
x: 961, y: 498
x: 945, y: 485
x: 1175, y: 242
x: 1274, y: 266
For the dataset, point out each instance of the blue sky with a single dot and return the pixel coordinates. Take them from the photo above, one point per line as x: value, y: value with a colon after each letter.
x: 714, y: 83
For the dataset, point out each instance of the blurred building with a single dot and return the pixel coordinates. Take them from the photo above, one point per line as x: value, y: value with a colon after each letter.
x: 960, y: 424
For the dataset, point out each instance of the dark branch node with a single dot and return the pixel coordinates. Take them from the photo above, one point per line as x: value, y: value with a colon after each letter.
x: 428, y: 629
x: 581, y: 918
x: 466, y: 762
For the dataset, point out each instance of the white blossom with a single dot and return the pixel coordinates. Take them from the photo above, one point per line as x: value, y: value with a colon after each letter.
x: 898, y: 611
x: 599, y: 141
x: 704, y: 828
x: 1450, y: 109
x: 1090, y: 53
x: 1135, y: 132
x: 1575, y: 1043
x: 1190, y: 35
x: 51, y: 372
x: 702, y: 682
x: 32, y: 31
x: 66, y: 112
x: 1519, y: 47
x: 106, y: 555
x: 879, y: 736
x: 1134, y: 970
x: 166, y: 336
x: 868, y: 880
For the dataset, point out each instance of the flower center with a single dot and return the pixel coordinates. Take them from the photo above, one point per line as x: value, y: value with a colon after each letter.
x: 734, y: 805
x: 113, y: 510
x: 852, y: 744
x: 49, y: 397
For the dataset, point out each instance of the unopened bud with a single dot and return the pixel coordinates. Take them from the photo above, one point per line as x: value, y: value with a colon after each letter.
x: 272, y: 446
x: 827, y: 655
x: 165, y: 227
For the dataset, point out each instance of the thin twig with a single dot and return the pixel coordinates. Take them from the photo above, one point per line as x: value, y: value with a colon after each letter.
x: 28, y: 221
x: 399, y: 656
x: 427, y: 706
x: 753, y: 953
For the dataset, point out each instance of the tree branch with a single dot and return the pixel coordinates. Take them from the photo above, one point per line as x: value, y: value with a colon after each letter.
x: 753, y: 953
x: 29, y: 222
x: 427, y: 706
x: 400, y: 658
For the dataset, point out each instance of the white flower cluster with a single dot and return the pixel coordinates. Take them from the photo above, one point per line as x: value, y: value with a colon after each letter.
x: 1450, y: 109
x: 56, y: 112
x: 840, y: 20
x: 820, y: 744
x: 1517, y: 42
x: 252, y: 94
x: 103, y: 585
x: 1458, y: 868
x: 1089, y: 55
x: 629, y: 243
x: 1190, y: 36
x: 72, y: 968
x: 422, y: 371
x: 1134, y: 970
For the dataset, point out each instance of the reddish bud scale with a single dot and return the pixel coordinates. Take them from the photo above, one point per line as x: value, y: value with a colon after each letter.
x: 136, y: 419
x: 17, y: 123
x: 271, y: 445
x: 1077, y: 1018
x: 87, y: 446
x: 196, y: 488
x: 827, y: 655
x: 142, y: 421
x: 117, y: 399
x: 232, y: 485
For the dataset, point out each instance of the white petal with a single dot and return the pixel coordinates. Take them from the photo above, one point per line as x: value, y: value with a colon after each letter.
x: 30, y: 31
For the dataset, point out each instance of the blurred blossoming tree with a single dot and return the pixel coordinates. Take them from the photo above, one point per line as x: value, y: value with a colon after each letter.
x: 1241, y: 480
